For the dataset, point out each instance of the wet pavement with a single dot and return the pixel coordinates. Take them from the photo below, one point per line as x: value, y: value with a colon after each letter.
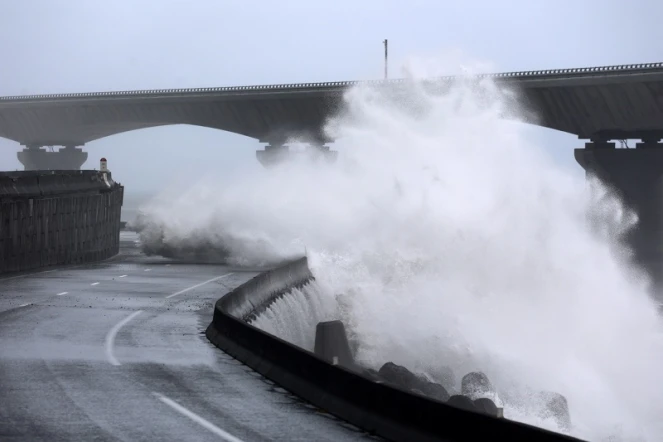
x: 116, y: 351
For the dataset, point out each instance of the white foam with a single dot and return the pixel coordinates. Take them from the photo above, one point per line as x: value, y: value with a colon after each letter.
x: 454, y: 240
x: 294, y: 316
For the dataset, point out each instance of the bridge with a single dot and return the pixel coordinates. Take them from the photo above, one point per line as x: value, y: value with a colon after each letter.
x: 598, y: 104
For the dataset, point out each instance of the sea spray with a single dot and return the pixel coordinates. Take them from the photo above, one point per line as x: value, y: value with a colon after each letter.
x: 294, y: 316
x: 447, y: 237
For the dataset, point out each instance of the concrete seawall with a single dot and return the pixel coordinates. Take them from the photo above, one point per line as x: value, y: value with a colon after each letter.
x: 253, y: 297
x: 57, y: 218
x: 375, y: 407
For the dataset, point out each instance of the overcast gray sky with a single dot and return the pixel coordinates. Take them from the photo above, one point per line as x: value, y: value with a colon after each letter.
x: 50, y: 46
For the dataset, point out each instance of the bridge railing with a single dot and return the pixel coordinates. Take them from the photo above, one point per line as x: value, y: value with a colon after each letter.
x: 600, y: 70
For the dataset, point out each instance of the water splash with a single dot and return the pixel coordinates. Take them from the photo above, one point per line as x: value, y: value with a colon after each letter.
x: 294, y: 316
x: 447, y: 238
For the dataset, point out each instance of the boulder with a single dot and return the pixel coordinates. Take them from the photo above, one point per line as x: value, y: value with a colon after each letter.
x: 402, y: 377
x: 555, y: 406
x: 445, y: 376
x: 476, y: 385
x: 399, y: 376
x: 434, y: 391
x: 487, y: 406
x: 462, y: 402
x: 370, y: 374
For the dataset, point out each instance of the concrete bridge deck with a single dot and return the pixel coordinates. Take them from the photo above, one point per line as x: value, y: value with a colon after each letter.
x: 611, y: 102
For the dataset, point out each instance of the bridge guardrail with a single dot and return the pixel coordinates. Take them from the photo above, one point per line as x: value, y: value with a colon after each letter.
x: 546, y: 73
x: 375, y: 407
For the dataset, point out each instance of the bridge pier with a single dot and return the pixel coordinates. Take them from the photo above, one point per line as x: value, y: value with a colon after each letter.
x: 322, y: 153
x: 277, y: 153
x: 636, y: 175
x: 274, y: 154
x: 37, y: 158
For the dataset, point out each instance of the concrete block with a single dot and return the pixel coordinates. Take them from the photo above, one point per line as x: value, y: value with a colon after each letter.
x: 331, y: 343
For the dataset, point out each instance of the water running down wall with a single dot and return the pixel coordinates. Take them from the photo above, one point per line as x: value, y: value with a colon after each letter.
x: 374, y: 407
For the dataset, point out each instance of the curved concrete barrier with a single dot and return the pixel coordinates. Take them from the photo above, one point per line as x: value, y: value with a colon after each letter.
x: 375, y: 407
x: 253, y: 297
x: 57, y: 218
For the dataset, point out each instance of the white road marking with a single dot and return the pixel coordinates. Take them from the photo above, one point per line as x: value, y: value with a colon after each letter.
x: 167, y: 265
x: 123, y: 276
x: 147, y: 270
x: 197, y: 419
x: 198, y: 285
x: 63, y: 293
x: 95, y: 283
x: 24, y: 305
x: 110, y: 337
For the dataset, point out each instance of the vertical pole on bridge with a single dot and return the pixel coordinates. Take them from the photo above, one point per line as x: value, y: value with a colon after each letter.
x: 386, y: 44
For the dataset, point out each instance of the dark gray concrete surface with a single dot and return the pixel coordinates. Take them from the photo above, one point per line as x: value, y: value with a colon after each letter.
x: 68, y: 158
x: 57, y: 218
x: 636, y: 176
x: 78, y: 363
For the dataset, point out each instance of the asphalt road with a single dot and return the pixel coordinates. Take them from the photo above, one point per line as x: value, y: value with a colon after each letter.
x: 116, y: 351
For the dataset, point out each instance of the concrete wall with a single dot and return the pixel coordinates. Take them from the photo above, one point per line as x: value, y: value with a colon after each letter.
x: 254, y: 296
x: 57, y: 218
x: 375, y: 407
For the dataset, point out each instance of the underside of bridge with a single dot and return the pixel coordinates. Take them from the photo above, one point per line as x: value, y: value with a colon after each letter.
x: 636, y: 176
x: 72, y: 158
x: 38, y: 158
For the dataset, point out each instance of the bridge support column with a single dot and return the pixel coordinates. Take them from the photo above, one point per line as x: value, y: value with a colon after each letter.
x: 67, y: 158
x: 276, y: 153
x: 323, y: 152
x: 636, y: 175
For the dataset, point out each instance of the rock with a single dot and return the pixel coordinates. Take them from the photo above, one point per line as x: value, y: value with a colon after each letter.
x: 476, y: 385
x: 445, y: 376
x: 462, y: 402
x: 399, y: 376
x: 404, y: 378
x: 486, y: 406
x: 434, y: 391
x: 555, y: 406
x: 370, y: 374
